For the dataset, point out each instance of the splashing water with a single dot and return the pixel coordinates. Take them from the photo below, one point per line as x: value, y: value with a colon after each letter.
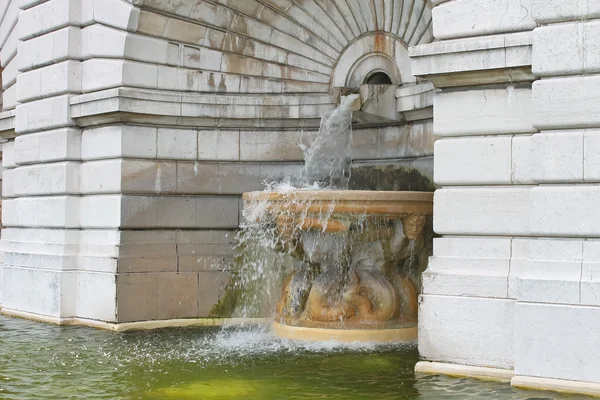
x: 261, y: 266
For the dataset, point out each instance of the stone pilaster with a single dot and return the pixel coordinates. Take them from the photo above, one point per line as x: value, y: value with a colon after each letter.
x: 558, y: 296
x: 483, y: 121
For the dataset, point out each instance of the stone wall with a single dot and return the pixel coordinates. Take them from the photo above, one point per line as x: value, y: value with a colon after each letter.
x: 511, y: 284
x: 135, y: 126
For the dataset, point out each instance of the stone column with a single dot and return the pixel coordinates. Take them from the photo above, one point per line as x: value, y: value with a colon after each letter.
x: 481, y: 68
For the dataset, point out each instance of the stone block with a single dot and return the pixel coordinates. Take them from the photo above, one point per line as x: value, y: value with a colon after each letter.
x: 146, y: 264
x: 547, y: 11
x: 8, y: 154
x: 518, y: 262
x: 8, y: 51
x: 138, y: 176
x: 151, y: 23
x: 550, y: 341
x: 365, y: 144
x: 98, y: 264
x: 482, y: 211
x: 10, y: 18
x: 48, y: 212
x: 464, y: 18
x: 176, y: 212
x: 179, y: 144
x: 218, y: 212
x: 489, y: 161
x: 47, y: 179
x: 9, y: 98
x: 197, y: 178
x: 148, y: 236
x: 118, y: 141
x: 116, y: 13
x: 470, y: 277
x: 147, y: 49
x: 102, y: 211
x: 277, y: 172
x: 54, y: 47
x: 47, y: 17
x: 477, y: 331
x: 558, y: 157
x: 551, y: 276
x: 44, y: 114
x: 202, y: 58
x: 219, y: 145
x: 564, y: 211
x: 240, y: 177
x: 139, y: 211
x: 563, y: 103
x: 472, y: 247
x: 98, y: 74
x: 10, y: 73
x: 136, y: 297
x: 101, y: 41
x: 271, y: 145
x: 96, y: 296
x: 48, y: 146
x: 102, y: 176
x: 490, y: 111
x: 156, y: 296
x: 205, y: 263
x: 522, y: 155
x: 590, y: 273
x: 211, y: 287
x: 205, y: 237
x: 42, y: 292
x: 178, y: 295
x: 183, y: 31
x: 8, y: 179
x: 591, y: 155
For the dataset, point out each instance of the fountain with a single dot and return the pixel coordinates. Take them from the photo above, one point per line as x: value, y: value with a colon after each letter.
x: 355, y: 278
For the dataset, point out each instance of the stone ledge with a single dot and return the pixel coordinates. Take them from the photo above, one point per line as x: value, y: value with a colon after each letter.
x: 457, y: 370
x: 415, y: 101
x: 199, y: 110
x: 556, y: 385
x: 475, y: 61
x: 7, y: 124
x: 133, y: 326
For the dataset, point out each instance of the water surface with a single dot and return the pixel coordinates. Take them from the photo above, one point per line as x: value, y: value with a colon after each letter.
x: 39, y: 361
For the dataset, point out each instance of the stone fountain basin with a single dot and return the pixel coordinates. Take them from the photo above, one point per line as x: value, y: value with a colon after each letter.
x: 360, y: 217
x: 342, y: 207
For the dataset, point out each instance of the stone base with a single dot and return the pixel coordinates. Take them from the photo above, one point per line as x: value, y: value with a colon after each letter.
x: 556, y: 385
x: 133, y: 326
x: 457, y: 370
x: 507, y: 375
x: 346, y: 336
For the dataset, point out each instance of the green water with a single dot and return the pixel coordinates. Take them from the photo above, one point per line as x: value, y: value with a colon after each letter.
x: 39, y: 361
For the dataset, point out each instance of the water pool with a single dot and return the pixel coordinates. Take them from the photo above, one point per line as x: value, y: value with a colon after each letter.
x: 39, y: 361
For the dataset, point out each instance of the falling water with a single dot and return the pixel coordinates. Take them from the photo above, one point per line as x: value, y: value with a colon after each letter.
x: 261, y: 266
x: 327, y: 160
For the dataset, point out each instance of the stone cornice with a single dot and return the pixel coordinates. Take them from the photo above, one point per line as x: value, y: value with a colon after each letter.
x: 199, y: 110
x: 475, y: 61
